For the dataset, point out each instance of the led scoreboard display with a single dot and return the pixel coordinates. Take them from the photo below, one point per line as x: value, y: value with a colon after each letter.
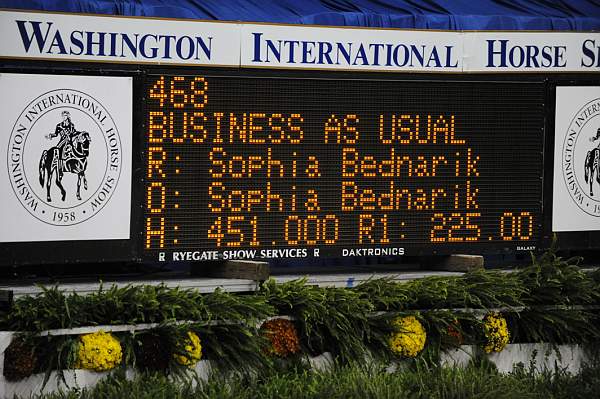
x: 265, y: 167
x: 217, y: 144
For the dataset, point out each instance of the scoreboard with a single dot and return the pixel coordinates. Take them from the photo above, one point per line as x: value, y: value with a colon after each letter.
x: 159, y: 140
x: 243, y: 166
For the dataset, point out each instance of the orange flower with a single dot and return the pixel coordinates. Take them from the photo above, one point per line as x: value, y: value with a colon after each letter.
x: 283, y: 337
x: 454, y: 334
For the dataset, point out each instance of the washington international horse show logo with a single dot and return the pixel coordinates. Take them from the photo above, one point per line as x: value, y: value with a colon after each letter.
x: 64, y: 157
x: 581, y: 158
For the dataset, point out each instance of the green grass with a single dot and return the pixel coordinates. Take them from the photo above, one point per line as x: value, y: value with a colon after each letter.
x: 353, y: 381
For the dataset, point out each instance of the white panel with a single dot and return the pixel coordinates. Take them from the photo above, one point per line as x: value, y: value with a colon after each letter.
x: 531, y: 52
x: 576, y: 197
x: 69, y: 131
x: 350, y: 49
x: 117, y: 39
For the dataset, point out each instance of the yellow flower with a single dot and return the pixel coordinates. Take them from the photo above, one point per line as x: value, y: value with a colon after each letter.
x: 496, y: 332
x: 98, y: 351
x: 409, y: 338
x: 193, y: 350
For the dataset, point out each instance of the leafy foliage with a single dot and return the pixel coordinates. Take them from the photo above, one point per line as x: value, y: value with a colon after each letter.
x: 54, y: 309
x: 552, y: 280
x: 553, y: 325
x: 233, y: 347
x: 477, y: 289
x: 329, y: 319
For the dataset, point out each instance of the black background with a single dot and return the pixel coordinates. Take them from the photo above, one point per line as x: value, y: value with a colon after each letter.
x: 502, y: 123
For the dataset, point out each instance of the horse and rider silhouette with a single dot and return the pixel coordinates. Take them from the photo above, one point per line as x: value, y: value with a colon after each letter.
x: 70, y: 155
x: 592, y: 164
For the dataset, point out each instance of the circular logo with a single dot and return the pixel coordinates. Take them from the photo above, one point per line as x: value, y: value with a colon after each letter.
x: 64, y: 157
x: 581, y: 158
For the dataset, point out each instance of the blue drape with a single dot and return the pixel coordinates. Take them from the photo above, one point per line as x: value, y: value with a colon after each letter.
x: 573, y: 15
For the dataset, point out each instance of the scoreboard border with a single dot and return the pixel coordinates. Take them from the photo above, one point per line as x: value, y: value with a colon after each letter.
x: 131, y: 250
x: 482, y: 247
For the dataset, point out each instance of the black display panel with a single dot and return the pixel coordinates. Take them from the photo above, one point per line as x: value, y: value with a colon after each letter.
x: 265, y: 167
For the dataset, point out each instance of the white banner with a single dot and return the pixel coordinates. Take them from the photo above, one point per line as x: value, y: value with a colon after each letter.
x: 576, y: 196
x: 350, y: 49
x: 531, y: 52
x: 55, y: 36
x: 66, y: 148
x: 117, y: 39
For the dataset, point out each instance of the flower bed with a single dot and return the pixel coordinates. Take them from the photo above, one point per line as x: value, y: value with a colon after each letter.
x: 171, y: 330
x: 543, y: 356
